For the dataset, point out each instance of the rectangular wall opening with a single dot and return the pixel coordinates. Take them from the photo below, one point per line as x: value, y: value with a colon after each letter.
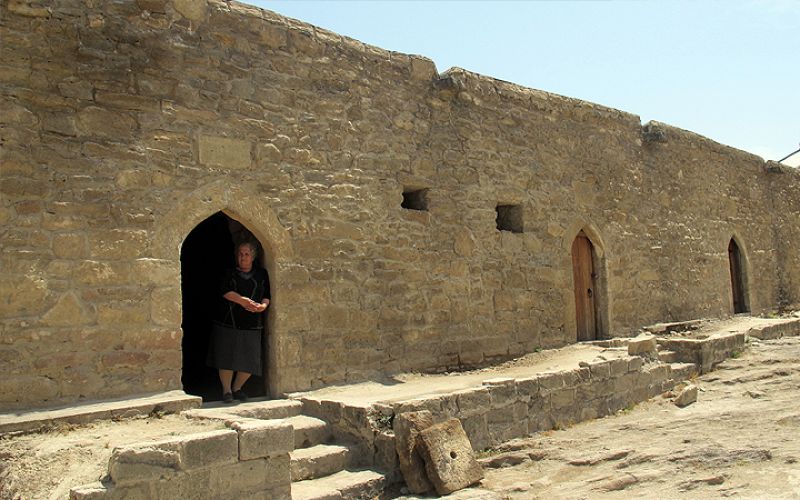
x: 509, y: 218
x: 415, y: 199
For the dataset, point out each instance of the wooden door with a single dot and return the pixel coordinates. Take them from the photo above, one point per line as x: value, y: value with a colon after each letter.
x: 583, y: 277
x: 737, y: 283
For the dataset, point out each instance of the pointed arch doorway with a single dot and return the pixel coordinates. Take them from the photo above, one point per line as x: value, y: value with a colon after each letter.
x: 206, y: 253
x: 584, y: 273
x: 738, y: 282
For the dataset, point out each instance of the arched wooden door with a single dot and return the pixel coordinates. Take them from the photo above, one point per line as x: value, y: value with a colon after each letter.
x: 737, y: 278
x: 585, y: 295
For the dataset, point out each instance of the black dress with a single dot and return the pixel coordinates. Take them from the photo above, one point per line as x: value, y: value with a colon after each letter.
x: 237, y: 333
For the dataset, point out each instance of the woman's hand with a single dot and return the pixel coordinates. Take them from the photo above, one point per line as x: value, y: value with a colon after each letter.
x: 253, y: 306
x: 262, y: 306
x: 247, y: 303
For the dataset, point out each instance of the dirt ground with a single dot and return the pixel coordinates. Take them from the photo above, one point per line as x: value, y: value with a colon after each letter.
x: 740, y: 439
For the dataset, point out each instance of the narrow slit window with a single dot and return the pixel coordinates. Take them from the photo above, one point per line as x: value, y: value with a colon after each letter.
x: 509, y: 218
x: 415, y: 199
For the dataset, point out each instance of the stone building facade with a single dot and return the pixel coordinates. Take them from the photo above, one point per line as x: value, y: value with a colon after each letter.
x: 410, y: 220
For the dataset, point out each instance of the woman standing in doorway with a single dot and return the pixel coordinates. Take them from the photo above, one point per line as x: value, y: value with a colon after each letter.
x: 235, y: 346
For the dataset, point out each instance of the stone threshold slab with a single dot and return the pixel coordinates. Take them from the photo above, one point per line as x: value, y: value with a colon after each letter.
x: 163, y: 402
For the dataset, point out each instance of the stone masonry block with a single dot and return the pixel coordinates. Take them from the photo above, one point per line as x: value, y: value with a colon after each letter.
x: 618, y: 367
x: 407, y: 427
x: 449, y: 459
x: 263, y: 438
x: 472, y: 401
x: 278, y: 468
x: 502, y: 391
x: 210, y: 448
x: 224, y: 152
x: 600, y: 371
x: 329, y: 411
x: 150, y: 461
x: 643, y: 345
x: 585, y: 392
x: 237, y: 478
x: 527, y: 388
x: 384, y: 456
x: 434, y: 405
x: 477, y: 431
x: 659, y: 373
x: 549, y: 382
x: 188, y: 484
x: 562, y: 398
x: 635, y: 364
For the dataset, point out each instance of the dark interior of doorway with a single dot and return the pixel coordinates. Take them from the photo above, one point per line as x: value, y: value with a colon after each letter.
x: 737, y: 278
x: 205, y: 254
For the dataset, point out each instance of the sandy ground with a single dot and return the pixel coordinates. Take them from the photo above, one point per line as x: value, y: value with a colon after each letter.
x: 740, y: 439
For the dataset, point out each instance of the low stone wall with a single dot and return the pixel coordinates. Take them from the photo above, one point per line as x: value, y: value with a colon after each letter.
x: 705, y: 352
x: 503, y: 408
x: 252, y: 457
x: 789, y: 328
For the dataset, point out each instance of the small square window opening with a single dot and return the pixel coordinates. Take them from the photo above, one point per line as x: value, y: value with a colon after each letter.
x: 416, y: 199
x: 509, y: 218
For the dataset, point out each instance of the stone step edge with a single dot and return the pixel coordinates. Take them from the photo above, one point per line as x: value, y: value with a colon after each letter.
x: 789, y: 328
x: 339, y: 485
x: 315, y: 459
x: 305, y: 426
x: 273, y: 409
x: 160, y: 402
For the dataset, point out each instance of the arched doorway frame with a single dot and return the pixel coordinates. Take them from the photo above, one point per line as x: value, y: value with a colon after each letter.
x: 251, y: 210
x: 600, y: 265
x: 744, y: 269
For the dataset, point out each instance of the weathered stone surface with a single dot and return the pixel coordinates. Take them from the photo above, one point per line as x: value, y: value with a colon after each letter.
x: 209, y: 448
x: 101, y: 122
x: 224, y: 152
x: 141, y: 463
x: 449, y: 459
x: 407, y: 427
x: 687, y: 396
x: 67, y: 311
x: 643, y: 345
x: 191, y: 9
x: 263, y: 438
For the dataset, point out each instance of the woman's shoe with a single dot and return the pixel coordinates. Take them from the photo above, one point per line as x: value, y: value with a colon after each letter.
x: 227, y: 398
x: 240, y: 395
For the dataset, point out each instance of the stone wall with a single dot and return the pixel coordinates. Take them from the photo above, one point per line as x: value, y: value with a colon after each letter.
x: 126, y: 124
x: 506, y: 408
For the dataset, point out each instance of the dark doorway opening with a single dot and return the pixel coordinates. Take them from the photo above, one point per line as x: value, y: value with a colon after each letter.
x: 740, y: 304
x: 205, y: 254
x: 584, y: 278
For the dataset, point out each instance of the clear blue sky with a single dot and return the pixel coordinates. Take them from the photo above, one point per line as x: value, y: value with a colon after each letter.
x: 729, y: 70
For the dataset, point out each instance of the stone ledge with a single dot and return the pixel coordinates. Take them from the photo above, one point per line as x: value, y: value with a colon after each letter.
x: 163, y: 402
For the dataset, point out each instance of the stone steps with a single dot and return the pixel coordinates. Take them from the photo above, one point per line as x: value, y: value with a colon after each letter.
x: 343, y: 485
x: 318, y: 461
x: 309, y: 431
